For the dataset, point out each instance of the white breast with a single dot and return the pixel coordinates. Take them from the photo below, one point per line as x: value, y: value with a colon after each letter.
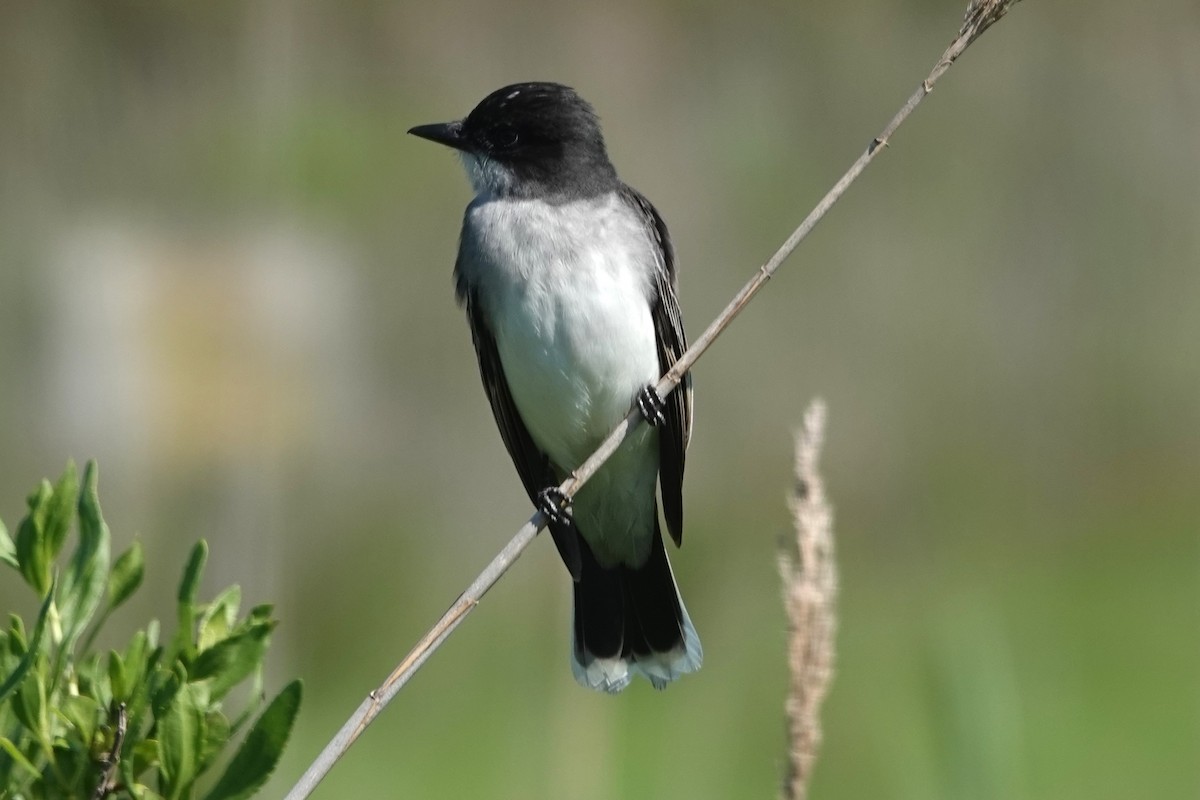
x: 565, y: 289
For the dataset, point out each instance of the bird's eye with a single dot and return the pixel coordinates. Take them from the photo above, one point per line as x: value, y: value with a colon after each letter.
x: 503, y: 136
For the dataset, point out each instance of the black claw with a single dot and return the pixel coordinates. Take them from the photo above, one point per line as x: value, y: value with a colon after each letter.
x: 553, y: 504
x: 651, y: 405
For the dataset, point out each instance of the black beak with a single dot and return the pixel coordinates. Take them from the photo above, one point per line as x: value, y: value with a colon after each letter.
x: 447, y: 133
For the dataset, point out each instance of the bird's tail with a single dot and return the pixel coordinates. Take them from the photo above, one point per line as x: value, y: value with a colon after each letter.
x: 630, y: 621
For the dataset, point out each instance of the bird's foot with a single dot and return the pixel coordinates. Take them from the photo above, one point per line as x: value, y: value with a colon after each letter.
x: 651, y: 404
x: 554, y: 505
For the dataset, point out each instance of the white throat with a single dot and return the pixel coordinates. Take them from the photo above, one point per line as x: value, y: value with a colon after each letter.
x: 487, y: 176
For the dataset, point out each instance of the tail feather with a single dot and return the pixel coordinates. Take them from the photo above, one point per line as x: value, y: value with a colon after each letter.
x: 631, y: 621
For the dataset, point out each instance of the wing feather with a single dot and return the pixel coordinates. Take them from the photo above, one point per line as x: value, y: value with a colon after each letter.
x: 672, y: 343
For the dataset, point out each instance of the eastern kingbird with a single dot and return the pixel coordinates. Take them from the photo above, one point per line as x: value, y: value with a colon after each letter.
x: 568, y: 279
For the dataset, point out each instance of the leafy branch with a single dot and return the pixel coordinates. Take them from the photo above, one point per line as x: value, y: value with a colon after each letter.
x: 148, y: 721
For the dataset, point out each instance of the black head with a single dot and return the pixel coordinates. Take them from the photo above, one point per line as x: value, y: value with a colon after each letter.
x: 530, y: 139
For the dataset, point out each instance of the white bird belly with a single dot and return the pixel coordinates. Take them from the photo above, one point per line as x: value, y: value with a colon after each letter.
x: 575, y: 362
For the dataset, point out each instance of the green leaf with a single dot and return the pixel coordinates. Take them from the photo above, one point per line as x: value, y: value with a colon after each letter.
x: 259, y: 753
x: 18, y: 757
x: 192, y: 573
x: 219, y: 618
x: 84, y: 580
x: 44, y: 530
x: 136, y: 663
x: 8, y: 659
x: 164, y: 686
x: 91, y: 676
x: 231, y: 660
x: 126, y: 575
x: 29, y: 706
x: 31, y: 552
x: 216, y: 736
x: 60, y: 512
x: 141, y: 792
x: 16, y: 634
x: 141, y: 757
x: 73, y: 766
x: 8, y: 549
x: 118, y: 677
x: 183, y: 644
x: 81, y: 713
x: 180, y: 737
x: 147, y: 683
x: 260, y: 613
x: 31, y: 652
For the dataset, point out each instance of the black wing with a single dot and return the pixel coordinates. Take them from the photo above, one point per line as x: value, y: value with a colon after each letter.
x: 532, y: 464
x: 673, y: 437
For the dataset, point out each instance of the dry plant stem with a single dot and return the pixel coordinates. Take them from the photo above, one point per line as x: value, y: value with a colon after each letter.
x: 980, y: 15
x: 112, y: 759
x: 810, y: 599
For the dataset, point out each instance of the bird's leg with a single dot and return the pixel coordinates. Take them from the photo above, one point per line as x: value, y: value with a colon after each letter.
x: 553, y: 504
x: 651, y: 405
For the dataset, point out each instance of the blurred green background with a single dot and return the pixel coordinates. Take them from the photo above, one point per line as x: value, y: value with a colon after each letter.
x: 225, y: 273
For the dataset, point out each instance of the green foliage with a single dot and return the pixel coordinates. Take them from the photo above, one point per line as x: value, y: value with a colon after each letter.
x: 145, y: 722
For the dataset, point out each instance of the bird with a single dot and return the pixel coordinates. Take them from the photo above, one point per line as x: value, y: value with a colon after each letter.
x: 568, y: 279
